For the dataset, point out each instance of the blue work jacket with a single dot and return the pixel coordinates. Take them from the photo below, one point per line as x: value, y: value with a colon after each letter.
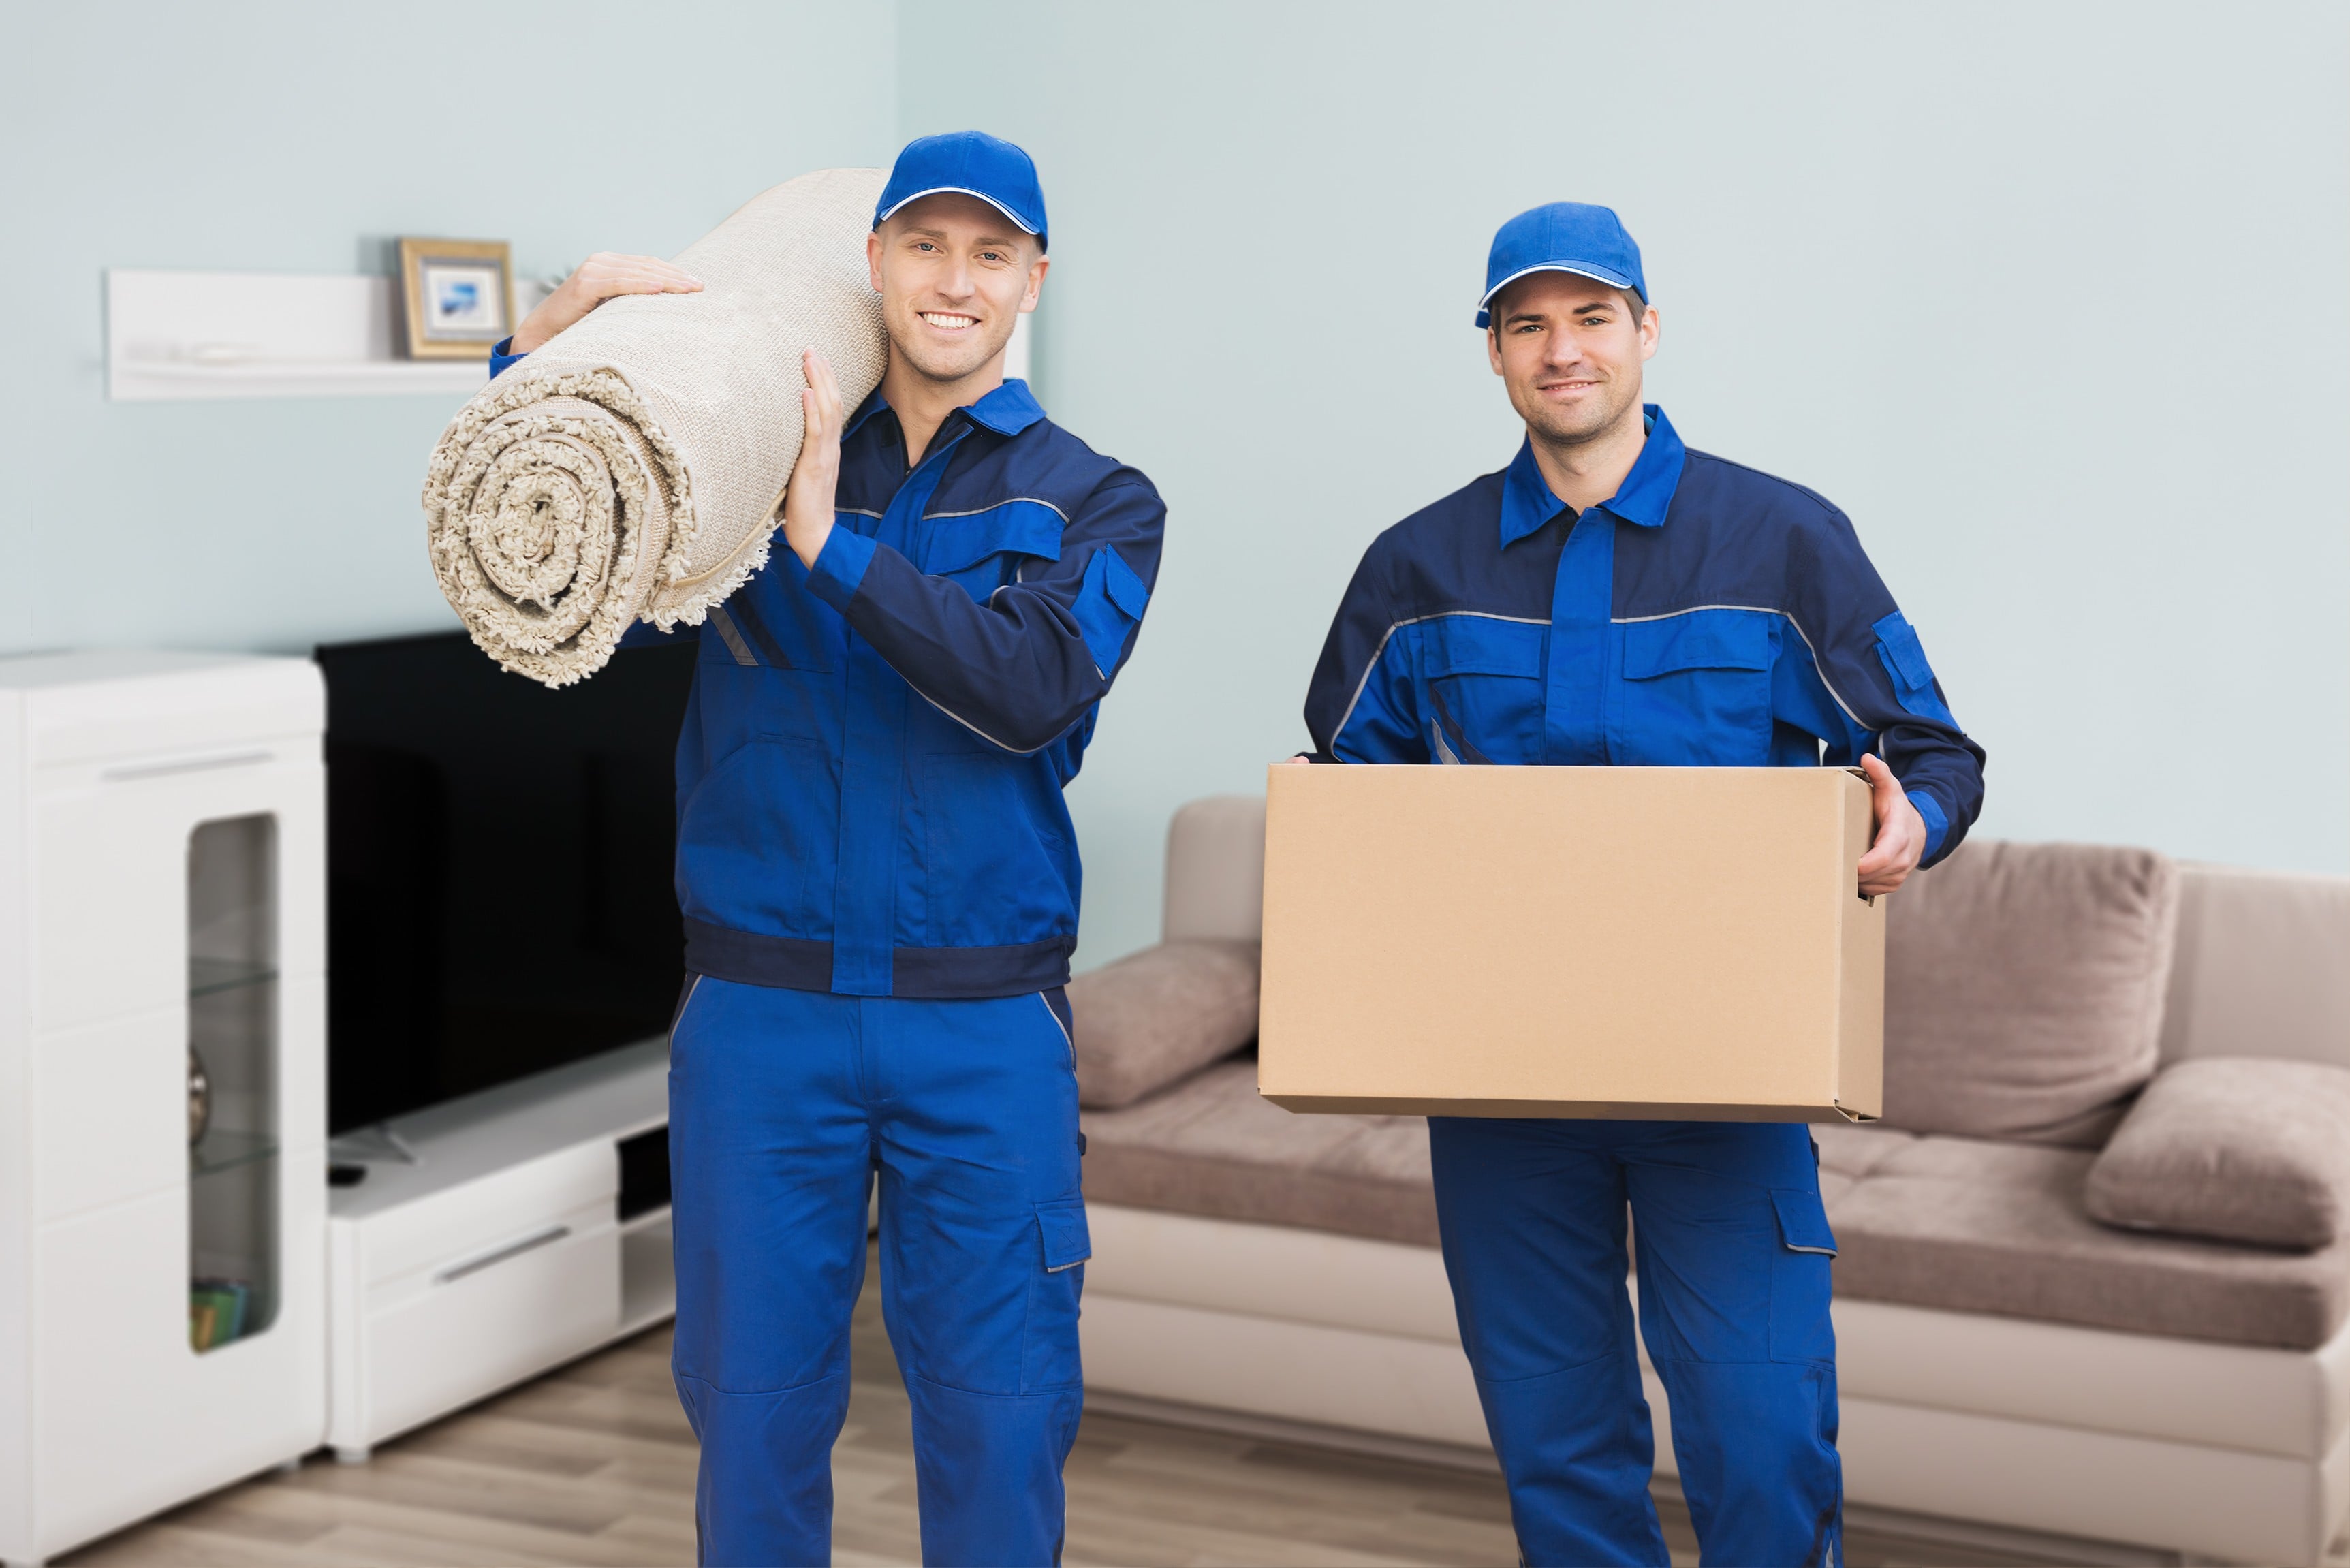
x: 1706, y: 616
x: 870, y: 773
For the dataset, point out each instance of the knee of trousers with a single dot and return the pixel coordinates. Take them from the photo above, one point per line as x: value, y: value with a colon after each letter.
x: 1584, y: 1425
x: 1756, y: 1436
x: 764, y: 1489
x: 988, y: 1469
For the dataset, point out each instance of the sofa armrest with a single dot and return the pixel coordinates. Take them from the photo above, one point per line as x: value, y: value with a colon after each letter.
x: 2235, y: 1149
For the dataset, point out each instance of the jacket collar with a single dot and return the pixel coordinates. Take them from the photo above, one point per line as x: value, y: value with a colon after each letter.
x: 1007, y: 411
x: 1644, y: 497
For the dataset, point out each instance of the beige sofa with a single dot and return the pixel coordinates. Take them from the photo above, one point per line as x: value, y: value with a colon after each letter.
x: 2004, y: 1358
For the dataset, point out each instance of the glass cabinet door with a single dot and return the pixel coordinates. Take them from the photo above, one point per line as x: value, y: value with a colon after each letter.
x: 233, y: 1005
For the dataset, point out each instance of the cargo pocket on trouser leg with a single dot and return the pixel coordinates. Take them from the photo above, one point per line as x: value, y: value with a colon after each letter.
x: 1801, y: 1283
x: 1802, y: 1330
x: 1048, y: 1351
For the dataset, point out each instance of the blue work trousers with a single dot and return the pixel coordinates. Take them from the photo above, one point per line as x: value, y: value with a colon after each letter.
x: 1732, y: 1256
x: 783, y: 1107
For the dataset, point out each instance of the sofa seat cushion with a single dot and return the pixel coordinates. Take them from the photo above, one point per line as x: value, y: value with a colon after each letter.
x: 2024, y: 990
x: 1210, y: 1146
x: 2236, y: 1148
x: 1971, y: 1226
x: 1848, y: 1153
x: 1158, y: 1015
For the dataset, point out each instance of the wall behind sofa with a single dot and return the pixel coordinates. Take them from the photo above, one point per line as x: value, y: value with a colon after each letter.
x: 297, y: 137
x: 2049, y: 298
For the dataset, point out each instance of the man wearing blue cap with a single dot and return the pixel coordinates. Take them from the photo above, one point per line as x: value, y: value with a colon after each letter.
x: 879, y: 882
x: 1613, y: 597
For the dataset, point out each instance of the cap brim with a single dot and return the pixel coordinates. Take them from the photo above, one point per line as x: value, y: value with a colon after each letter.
x: 1598, y: 273
x: 1017, y: 219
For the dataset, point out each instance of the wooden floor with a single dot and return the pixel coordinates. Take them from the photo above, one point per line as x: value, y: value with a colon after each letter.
x: 594, y: 1464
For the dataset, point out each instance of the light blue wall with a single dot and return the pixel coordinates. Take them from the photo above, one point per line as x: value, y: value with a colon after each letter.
x: 297, y: 137
x: 2050, y: 298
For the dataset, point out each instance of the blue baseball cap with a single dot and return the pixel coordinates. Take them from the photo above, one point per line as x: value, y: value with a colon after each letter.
x: 971, y: 163
x: 1562, y: 237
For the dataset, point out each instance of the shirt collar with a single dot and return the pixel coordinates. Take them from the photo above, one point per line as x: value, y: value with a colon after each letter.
x: 1643, y: 498
x: 1010, y: 408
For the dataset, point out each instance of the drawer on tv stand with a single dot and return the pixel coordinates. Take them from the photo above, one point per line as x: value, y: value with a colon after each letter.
x: 437, y: 1341
x: 453, y: 1228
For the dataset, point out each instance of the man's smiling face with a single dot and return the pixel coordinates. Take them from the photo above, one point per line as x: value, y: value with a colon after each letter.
x: 954, y: 275
x: 1570, y: 349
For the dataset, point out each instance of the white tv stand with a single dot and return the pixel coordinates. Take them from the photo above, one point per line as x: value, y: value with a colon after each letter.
x: 487, y: 1244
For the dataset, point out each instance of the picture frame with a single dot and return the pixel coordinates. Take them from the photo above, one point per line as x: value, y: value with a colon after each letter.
x: 456, y: 296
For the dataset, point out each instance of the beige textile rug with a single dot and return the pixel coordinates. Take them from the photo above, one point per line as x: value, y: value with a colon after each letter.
x: 634, y: 466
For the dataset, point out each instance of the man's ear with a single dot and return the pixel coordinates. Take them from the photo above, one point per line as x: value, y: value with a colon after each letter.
x: 1036, y: 271
x: 1493, y: 347
x: 1652, y: 327
x: 873, y: 258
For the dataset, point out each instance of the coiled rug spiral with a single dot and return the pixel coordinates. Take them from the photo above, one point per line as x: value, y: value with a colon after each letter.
x: 633, y: 467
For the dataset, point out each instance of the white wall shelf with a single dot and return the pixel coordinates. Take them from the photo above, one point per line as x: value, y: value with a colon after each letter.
x: 183, y: 335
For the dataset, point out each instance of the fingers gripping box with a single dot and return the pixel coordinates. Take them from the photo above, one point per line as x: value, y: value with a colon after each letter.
x: 1674, y: 943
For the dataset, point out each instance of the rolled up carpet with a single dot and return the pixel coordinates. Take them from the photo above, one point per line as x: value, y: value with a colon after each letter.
x: 633, y: 467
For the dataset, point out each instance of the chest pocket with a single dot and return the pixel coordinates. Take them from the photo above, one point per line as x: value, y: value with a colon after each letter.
x: 1484, y: 688
x: 982, y: 551
x: 1696, y: 691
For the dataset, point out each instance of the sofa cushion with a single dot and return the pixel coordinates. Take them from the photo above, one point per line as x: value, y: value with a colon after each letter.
x: 2024, y: 990
x: 1953, y: 1223
x: 2241, y: 1149
x: 1158, y: 1016
x: 1971, y: 1226
x: 1848, y: 1153
x: 1210, y: 1146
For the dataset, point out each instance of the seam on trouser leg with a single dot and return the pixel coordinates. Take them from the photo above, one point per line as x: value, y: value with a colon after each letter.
x: 1552, y: 1372
x: 1825, y: 1534
x: 1057, y: 1391
x: 755, y: 1393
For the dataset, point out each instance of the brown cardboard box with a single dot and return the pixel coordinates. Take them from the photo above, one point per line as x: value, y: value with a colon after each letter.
x: 1571, y: 941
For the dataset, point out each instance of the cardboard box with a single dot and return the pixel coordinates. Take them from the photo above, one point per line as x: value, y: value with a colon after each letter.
x: 1671, y: 943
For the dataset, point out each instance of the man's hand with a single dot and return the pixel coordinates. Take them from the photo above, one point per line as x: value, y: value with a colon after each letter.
x: 1900, y: 831
x: 807, y: 500
x: 601, y: 276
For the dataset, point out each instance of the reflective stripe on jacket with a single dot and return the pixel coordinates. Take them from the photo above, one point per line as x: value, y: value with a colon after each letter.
x: 1708, y: 615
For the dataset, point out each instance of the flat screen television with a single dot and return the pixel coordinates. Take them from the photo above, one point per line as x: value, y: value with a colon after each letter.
x: 499, y: 896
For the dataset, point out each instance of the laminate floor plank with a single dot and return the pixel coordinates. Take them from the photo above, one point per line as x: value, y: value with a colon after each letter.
x: 425, y: 1535
x: 593, y: 1465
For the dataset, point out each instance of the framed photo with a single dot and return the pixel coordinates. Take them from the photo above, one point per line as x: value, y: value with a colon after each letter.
x: 455, y: 295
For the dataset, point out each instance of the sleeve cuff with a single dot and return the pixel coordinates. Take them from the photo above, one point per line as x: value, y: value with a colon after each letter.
x: 1937, y: 827
x: 500, y: 360
x: 840, y: 567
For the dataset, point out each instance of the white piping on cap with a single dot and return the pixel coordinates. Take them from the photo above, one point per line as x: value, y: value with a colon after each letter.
x: 954, y: 190
x: 1522, y: 272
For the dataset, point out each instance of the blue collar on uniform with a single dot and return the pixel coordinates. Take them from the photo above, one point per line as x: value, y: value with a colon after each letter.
x: 1646, y: 493
x: 1007, y: 411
